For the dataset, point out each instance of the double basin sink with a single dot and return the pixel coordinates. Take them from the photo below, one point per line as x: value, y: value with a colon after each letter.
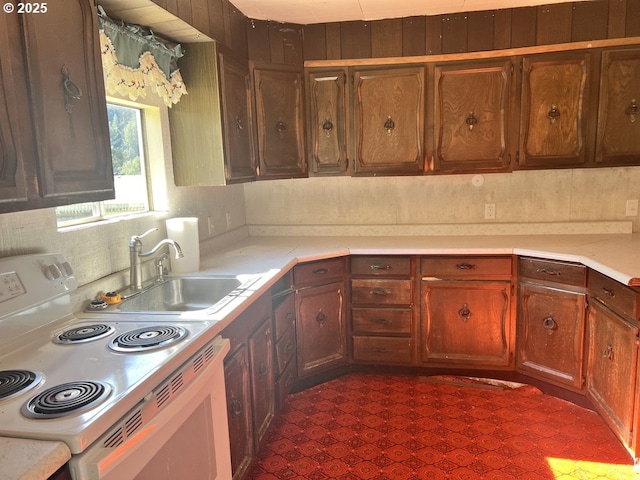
x: 183, y: 294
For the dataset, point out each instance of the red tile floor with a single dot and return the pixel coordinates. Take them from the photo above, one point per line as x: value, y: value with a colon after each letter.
x: 361, y: 427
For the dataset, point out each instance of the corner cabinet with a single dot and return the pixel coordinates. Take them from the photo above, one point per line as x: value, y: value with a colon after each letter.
x: 618, y: 139
x: 64, y: 101
x: 212, y: 128
x: 552, y: 305
x: 389, y: 120
x: 467, y: 318
x: 279, y: 104
x: 557, y: 110
x: 474, y: 116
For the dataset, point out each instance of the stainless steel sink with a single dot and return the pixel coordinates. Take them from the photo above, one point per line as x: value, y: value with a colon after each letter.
x: 184, y: 294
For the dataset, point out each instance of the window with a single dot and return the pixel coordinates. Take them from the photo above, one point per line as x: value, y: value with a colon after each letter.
x: 129, y: 170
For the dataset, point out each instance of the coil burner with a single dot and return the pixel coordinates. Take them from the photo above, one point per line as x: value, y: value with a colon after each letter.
x: 148, y: 338
x: 65, y: 399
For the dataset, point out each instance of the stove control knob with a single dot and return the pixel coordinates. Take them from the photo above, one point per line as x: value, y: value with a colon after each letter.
x: 65, y: 268
x: 52, y: 272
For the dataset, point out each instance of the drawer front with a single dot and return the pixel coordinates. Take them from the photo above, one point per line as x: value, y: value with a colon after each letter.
x: 381, y: 292
x: 383, y: 265
x: 382, y: 320
x: 553, y: 271
x: 320, y: 272
x: 382, y: 350
x: 466, y: 267
x: 283, y: 315
x: 618, y: 297
x: 285, y: 348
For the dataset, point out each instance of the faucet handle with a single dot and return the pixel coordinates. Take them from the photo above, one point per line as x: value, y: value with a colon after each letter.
x: 136, y: 238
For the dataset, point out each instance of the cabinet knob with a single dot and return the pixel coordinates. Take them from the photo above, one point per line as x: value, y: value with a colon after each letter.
x: 471, y: 120
x: 281, y: 127
x: 550, y: 324
x: 71, y: 90
x: 389, y: 125
x: 608, y: 352
x: 464, y: 313
x: 239, y: 124
x: 236, y: 407
x: 632, y: 110
x: 554, y: 114
x: 321, y: 318
x: 327, y: 126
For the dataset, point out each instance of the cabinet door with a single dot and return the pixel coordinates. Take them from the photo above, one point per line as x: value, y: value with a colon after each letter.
x: 389, y: 120
x: 262, y: 379
x: 327, y: 121
x: 280, y: 123
x: 321, y: 329
x: 466, y: 323
x: 13, y: 185
x: 473, y: 123
x: 619, y: 112
x: 68, y: 103
x: 236, y: 377
x: 612, y: 368
x: 237, y: 120
x: 555, y: 109
x: 551, y: 326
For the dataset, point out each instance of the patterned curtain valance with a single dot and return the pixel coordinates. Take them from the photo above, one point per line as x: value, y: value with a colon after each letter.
x: 134, y: 60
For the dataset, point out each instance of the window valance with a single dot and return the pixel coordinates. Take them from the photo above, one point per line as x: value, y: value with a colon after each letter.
x: 135, y: 61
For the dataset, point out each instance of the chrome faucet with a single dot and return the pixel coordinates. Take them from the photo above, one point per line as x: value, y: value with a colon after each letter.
x: 135, y: 255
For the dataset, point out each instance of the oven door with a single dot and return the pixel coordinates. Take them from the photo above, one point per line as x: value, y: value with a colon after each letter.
x: 187, y: 438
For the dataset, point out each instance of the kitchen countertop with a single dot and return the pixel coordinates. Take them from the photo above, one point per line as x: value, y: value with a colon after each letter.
x: 614, y: 255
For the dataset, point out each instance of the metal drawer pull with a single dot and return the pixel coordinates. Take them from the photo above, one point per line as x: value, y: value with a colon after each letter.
x: 550, y: 324
x: 556, y: 273
x: 262, y: 369
x: 632, y: 110
x: 71, y: 90
x: 554, y: 114
x: 464, y: 313
x: 327, y: 126
x: 609, y: 292
x: 608, y: 352
x: 389, y: 125
x: 380, y: 266
x: 381, y: 321
x: 321, y: 271
x: 380, y: 350
x: 466, y: 266
x: 471, y: 120
x: 381, y: 292
x: 321, y: 318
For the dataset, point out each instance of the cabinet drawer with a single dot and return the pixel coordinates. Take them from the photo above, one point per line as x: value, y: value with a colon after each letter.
x: 381, y: 265
x: 285, y: 348
x: 381, y: 292
x: 466, y: 267
x: 382, y: 349
x: 318, y: 272
x: 283, y: 315
x: 382, y: 320
x: 618, y: 297
x: 553, y: 271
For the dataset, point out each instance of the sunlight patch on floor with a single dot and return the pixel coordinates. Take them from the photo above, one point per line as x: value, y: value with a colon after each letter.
x: 570, y: 469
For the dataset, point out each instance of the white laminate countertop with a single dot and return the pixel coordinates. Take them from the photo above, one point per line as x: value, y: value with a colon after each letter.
x: 614, y: 255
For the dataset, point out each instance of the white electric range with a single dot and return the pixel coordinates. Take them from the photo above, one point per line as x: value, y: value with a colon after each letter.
x: 75, y: 378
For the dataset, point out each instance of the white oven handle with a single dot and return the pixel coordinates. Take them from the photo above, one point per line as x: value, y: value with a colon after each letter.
x: 160, y: 441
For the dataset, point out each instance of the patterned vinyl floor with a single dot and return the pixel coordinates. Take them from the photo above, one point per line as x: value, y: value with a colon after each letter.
x: 380, y: 427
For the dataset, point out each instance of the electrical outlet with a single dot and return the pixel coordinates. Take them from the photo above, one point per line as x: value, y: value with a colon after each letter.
x: 228, y: 220
x: 489, y: 211
x: 632, y: 208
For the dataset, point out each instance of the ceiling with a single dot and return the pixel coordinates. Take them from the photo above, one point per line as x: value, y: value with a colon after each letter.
x: 321, y: 11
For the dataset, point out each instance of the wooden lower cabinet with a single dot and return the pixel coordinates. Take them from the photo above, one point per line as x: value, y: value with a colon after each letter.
x: 321, y: 329
x: 612, y: 368
x: 466, y: 323
x: 236, y: 372
x: 551, y: 334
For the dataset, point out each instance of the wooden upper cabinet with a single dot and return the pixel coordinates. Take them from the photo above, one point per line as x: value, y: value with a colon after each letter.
x: 68, y: 105
x: 556, y: 98
x: 13, y: 185
x: 473, y: 116
x: 212, y: 128
x: 327, y: 101
x: 618, y: 139
x: 389, y: 120
x: 279, y: 105
x: 237, y: 120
